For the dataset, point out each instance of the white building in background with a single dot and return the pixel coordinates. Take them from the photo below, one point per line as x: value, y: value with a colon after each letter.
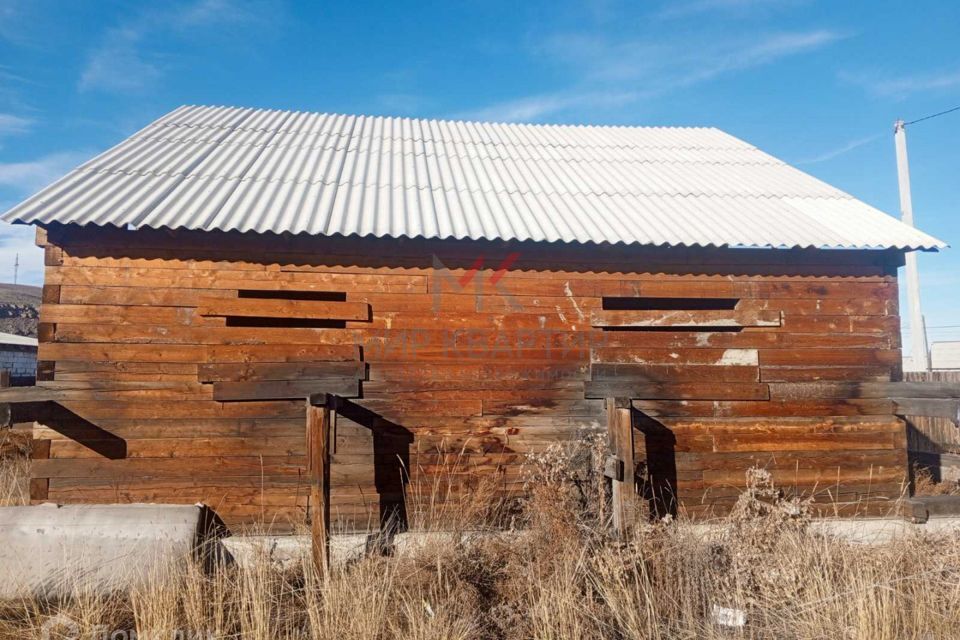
x: 944, y: 356
x: 18, y: 355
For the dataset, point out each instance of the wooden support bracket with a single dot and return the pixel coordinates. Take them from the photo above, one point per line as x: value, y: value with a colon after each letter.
x: 623, y: 484
x: 319, y: 407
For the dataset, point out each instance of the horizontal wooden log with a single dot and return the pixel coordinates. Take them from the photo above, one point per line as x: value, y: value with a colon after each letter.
x: 676, y: 391
x: 949, y: 409
x: 670, y: 373
x: 107, y: 352
x: 769, y: 408
x: 704, y: 319
x: 834, y: 390
x: 718, y: 357
x: 27, y: 394
x: 276, y: 308
x: 876, y: 373
x: 282, y: 371
x: 115, y: 314
x: 285, y: 389
x: 234, y: 279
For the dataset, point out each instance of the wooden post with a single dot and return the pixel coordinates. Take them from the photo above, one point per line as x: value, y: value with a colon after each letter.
x: 919, y: 353
x: 620, y: 439
x: 318, y: 470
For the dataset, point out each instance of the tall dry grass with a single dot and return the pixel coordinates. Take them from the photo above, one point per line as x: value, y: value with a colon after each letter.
x: 14, y: 468
x: 553, y: 572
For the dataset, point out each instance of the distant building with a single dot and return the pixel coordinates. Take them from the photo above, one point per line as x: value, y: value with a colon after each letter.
x: 945, y: 355
x: 18, y: 355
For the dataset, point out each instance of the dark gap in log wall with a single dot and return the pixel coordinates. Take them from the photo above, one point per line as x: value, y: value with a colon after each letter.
x: 285, y: 323
x: 673, y: 329
x: 263, y: 294
x: 640, y: 303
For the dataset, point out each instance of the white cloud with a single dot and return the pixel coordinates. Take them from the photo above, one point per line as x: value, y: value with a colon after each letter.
x: 12, y: 125
x: 610, y: 73
x: 124, y: 61
x: 839, y: 151
x: 29, y: 176
x: 119, y: 65
x: 694, y: 7
x: 901, y: 87
x: 532, y: 108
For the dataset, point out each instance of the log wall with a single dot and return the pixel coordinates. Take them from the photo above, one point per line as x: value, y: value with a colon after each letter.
x: 475, y: 354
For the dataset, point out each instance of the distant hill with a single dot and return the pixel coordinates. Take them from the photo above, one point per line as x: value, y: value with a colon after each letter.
x: 19, y: 309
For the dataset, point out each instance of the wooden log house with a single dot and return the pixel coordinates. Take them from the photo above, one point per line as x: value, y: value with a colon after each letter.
x: 475, y: 293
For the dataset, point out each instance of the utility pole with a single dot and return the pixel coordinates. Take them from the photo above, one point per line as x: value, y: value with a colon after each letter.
x: 16, y: 267
x: 919, y: 354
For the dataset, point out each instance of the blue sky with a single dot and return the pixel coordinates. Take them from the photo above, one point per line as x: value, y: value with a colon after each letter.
x: 818, y: 84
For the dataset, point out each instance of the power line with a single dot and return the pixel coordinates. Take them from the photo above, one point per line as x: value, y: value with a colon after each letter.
x: 933, y: 115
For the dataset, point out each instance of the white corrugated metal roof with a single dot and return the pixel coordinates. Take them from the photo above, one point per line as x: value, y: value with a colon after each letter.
x: 278, y: 171
x: 14, y: 339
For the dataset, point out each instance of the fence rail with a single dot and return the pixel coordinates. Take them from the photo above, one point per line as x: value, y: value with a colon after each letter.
x: 934, y: 442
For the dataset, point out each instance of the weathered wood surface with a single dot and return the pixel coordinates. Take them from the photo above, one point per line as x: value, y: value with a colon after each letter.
x: 705, y: 319
x: 318, y: 470
x: 476, y: 372
x: 623, y: 485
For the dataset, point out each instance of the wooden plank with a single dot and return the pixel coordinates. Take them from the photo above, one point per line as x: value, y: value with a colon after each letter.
x: 620, y: 443
x: 825, y: 374
x: 670, y: 373
x: 829, y: 357
x: 115, y: 314
x: 932, y: 390
x: 719, y: 357
x: 677, y: 391
x: 284, y: 389
x: 705, y: 319
x: 698, y: 408
x: 281, y: 371
x: 949, y: 409
x: 276, y: 308
x: 318, y: 470
x: 109, y: 352
x: 234, y: 279
x: 16, y: 395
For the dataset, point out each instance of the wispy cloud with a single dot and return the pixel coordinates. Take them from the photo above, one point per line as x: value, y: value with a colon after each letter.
x: 124, y: 62
x: 902, y: 86
x: 119, y: 64
x: 606, y: 70
x: 12, y: 125
x: 694, y: 7
x: 839, y: 151
x: 533, y: 108
x: 26, y: 177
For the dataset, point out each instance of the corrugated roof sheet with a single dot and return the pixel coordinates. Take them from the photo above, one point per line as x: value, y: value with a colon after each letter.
x: 17, y: 340
x: 222, y: 168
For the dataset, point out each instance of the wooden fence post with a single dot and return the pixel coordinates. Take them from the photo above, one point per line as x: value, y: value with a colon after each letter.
x: 318, y: 469
x: 623, y: 483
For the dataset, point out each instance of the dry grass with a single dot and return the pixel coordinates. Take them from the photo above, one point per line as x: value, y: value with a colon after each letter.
x: 924, y: 484
x: 556, y: 574
x: 14, y: 469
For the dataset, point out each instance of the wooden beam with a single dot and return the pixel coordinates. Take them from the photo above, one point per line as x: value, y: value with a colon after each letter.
x: 620, y: 442
x: 680, y: 391
x: 276, y: 308
x: 279, y: 371
x: 733, y: 318
x: 16, y: 395
x: 284, y: 389
x: 318, y: 471
x: 949, y: 409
